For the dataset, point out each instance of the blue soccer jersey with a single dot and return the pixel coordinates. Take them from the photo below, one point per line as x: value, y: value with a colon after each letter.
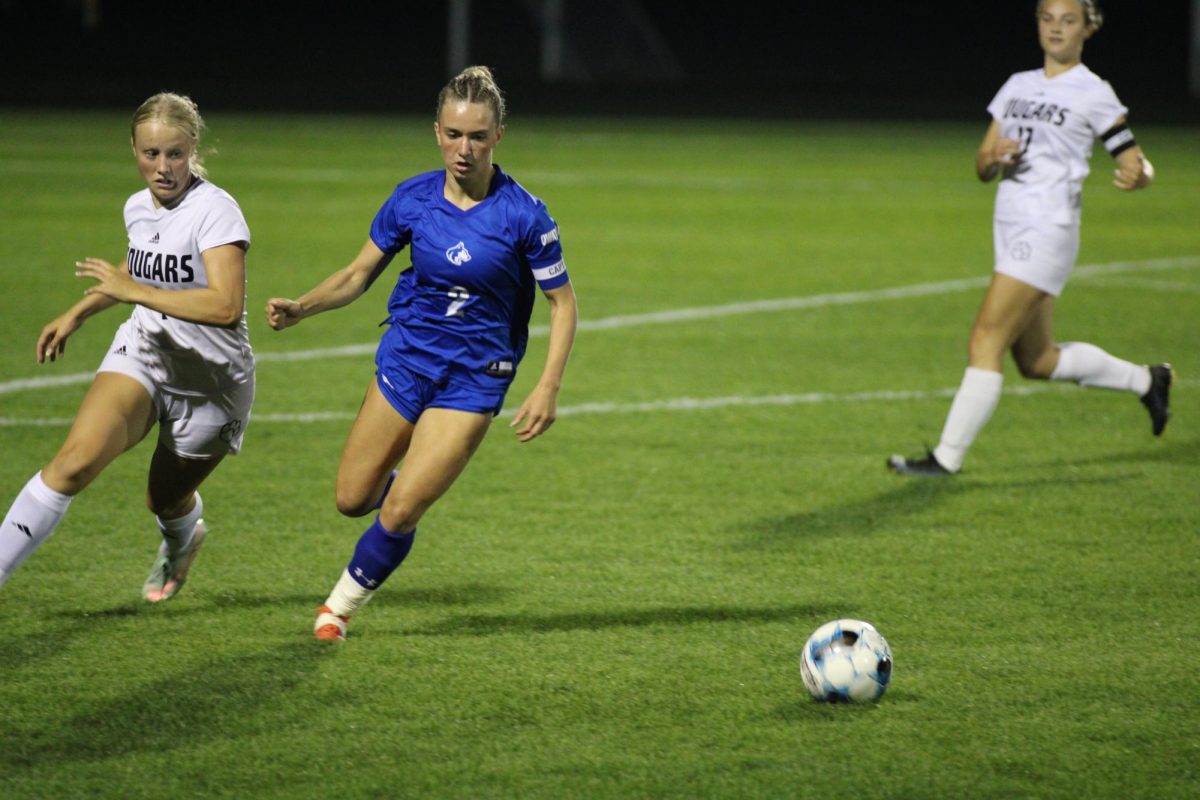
x: 460, y: 313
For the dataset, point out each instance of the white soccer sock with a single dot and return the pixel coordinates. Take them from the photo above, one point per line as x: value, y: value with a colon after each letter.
x: 973, y: 405
x: 1090, y: 366
x: 31, y: 519
x: 348, y: 595
x: 177, y: 533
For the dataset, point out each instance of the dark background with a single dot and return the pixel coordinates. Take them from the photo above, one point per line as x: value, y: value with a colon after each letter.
x: 800, y: 59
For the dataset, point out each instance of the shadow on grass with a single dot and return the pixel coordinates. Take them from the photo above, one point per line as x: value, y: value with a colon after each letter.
x: 221, y: 698
x: 488, y: 625
x: 57, y: 629
x: 911, y: 498
x: 50, y: 637
x: 1179, y: 453
x: 858, y: 518
x: 467, y: 594
x: 806, y: 709
x: 398, y: 594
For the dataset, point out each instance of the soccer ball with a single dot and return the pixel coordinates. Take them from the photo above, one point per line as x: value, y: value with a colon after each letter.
x: 846, y: 660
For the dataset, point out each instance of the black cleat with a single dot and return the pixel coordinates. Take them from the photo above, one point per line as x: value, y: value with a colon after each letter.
x: 927, y: 467
x: 1157, y: 400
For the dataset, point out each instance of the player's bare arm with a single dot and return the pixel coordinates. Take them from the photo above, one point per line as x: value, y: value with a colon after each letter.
x: 52, y: 341
x: 1134, y: 170
x: 341, y: 288
x: 995, y: 153
x: 219, y: 304
x: 540, y: 409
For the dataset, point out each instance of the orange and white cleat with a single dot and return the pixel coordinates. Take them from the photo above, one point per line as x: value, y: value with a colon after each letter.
x: 330, y: 627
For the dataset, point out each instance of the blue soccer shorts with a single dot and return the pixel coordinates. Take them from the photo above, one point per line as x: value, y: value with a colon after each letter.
x: 410, y: 393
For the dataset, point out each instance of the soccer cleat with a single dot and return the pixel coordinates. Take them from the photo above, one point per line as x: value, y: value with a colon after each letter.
x: 927, y: 467
x: 168, y: 575
x: 1157, y: 400
x: 330, y: 627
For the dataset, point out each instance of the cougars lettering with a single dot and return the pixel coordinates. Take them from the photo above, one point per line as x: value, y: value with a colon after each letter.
x: 1019, y: 108
x: 160, y: 267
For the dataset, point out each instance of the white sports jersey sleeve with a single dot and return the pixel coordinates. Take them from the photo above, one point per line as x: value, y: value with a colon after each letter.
x: 166, y: 248
x: 1104, y: 109
x: 1057, y: 121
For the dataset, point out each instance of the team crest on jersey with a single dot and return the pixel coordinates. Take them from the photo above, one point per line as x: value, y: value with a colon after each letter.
x: 230, y: 430
x: 1021, y: 251
x: 458, y: 254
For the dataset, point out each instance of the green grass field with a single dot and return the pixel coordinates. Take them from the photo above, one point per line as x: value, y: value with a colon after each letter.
x: 617, y: 609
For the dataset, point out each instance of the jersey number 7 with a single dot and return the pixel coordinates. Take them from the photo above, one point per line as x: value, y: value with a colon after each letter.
x: 1025, y: 137
x: 458, y: 298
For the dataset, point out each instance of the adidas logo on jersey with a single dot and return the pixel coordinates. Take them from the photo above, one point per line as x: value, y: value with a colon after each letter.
x: 154, y: 239
x: 499, y: 369
x: 458, y: 254
x: 120, y: 351
x: 24, y: 529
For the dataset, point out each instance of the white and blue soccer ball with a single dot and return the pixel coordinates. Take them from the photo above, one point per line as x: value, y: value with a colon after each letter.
x: 846, y: 660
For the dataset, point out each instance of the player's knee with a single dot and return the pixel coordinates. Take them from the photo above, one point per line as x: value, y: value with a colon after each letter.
x: 1032, y: 371
x: 352, y: 503
x: 350, y: 507
x: 73, y: 468
x: 399, y: 514
x: 1027, y: 370
x: 1037, y: 367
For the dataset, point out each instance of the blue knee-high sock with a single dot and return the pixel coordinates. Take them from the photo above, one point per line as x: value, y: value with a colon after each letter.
x: 377, y: 554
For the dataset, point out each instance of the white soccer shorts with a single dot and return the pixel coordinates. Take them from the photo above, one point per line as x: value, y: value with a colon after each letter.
x: 195, y: 421
x: 1041, y: 255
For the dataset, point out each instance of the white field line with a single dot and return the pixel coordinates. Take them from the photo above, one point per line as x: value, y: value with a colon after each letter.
x: 685, y: 314
x: 677, y: 404
x: 1149, y: 284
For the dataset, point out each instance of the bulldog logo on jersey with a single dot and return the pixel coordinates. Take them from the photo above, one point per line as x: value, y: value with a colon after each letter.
x: 458, y: 255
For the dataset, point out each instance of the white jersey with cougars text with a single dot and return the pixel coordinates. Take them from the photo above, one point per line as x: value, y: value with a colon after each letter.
x: 1056, y: 120
x: 165, y: 247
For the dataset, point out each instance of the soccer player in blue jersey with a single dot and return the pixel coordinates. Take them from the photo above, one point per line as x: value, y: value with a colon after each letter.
x: 459, y: 316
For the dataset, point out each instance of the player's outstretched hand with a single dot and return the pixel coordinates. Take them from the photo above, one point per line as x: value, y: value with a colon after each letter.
x: 52, y: 343
x: 283, y: 313
x: 536, y: 414
x: 111, y: 281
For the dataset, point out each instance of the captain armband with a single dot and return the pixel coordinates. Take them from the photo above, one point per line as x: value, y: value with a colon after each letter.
x: 1118, y: 139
